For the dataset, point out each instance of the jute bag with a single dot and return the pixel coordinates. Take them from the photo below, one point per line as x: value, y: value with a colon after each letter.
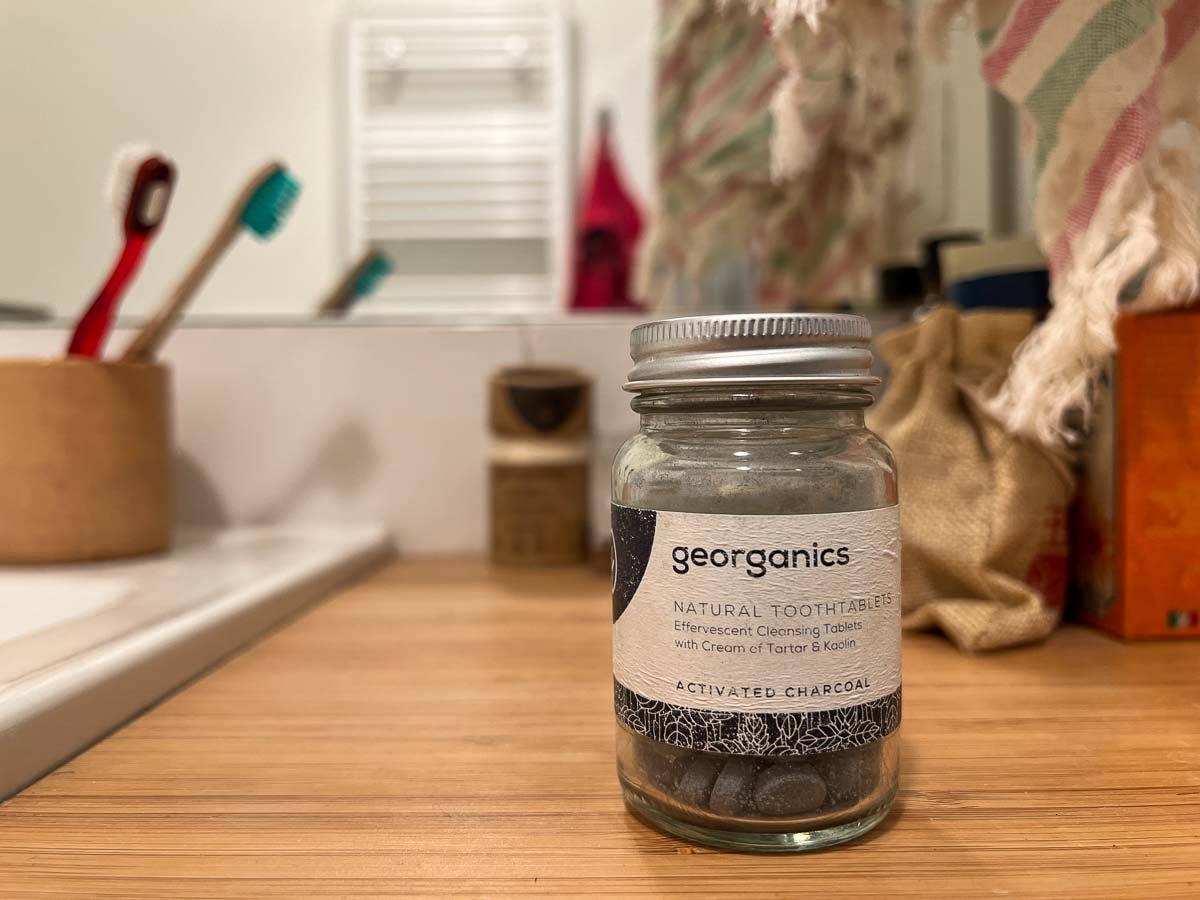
x: 982, y: 512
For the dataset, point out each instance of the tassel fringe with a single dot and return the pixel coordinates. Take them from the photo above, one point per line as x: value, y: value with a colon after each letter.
x: 1053, y: 368
x: 784, y: 13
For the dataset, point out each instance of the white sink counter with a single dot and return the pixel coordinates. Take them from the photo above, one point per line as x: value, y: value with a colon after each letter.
x: 85, y: 647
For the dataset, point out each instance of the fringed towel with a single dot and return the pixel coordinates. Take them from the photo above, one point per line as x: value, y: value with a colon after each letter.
x: 1111, y: 97
x: 779, y: 142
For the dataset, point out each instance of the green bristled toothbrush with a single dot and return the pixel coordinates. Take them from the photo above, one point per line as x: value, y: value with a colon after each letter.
x: 260, y: 208
x: 362, y: 279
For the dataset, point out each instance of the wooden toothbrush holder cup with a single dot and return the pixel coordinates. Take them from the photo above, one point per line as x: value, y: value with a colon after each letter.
x: 85, y: 460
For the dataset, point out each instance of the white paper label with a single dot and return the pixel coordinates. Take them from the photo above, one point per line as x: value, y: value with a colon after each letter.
x: 783, y: 631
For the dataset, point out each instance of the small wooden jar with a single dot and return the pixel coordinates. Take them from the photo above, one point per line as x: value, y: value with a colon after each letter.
x: 541, y: 428
x: 85, y: 460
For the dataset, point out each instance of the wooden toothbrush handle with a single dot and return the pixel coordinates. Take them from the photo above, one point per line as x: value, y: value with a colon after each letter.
x: 145, y: 344
x: 150, y: 337
x: 338, y: 299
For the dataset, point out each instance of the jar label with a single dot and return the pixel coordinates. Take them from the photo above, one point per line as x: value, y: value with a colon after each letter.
x: 762, y: 635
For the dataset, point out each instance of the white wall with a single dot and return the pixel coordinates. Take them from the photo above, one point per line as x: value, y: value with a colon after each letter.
x: 616, y: 40
x: 353, y: 424
x: 221, y: 85
x: 350, y: 423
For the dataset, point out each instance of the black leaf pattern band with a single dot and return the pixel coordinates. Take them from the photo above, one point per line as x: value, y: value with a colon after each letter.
x: 758, y: 734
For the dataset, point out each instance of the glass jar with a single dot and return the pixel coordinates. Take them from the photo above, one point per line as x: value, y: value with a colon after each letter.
x: 756, y: 589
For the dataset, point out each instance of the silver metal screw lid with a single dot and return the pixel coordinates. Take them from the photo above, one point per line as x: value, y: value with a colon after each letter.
x: 752, y: 349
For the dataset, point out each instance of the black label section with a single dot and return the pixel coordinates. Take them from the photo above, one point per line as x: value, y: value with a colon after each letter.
x: 758, y: 734
x: 633, y: 541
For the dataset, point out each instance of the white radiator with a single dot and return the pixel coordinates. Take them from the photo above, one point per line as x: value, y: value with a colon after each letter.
x: 459, y: 154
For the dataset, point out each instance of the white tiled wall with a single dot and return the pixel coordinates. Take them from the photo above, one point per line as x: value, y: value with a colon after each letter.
x: 361, y: 423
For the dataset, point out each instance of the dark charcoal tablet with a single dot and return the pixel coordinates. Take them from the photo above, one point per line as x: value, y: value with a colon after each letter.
x: 733, y: 790
x: 662, y: 763
x: 696, y: 783
x: 788, y: 789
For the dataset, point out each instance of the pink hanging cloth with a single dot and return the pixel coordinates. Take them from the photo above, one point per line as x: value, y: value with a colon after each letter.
x: 607, y: 233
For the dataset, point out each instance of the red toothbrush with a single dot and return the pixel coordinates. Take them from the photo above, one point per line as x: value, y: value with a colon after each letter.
x: 140, y: 190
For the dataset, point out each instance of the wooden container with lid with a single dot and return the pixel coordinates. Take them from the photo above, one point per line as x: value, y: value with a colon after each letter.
x: 541, y: 428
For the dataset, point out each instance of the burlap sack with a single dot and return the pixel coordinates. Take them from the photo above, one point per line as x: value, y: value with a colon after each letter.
x: 982, y: 513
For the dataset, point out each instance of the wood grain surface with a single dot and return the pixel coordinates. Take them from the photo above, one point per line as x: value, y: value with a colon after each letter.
x: 446, y: 729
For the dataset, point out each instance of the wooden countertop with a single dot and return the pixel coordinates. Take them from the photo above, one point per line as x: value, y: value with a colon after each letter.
x: 442, y: 728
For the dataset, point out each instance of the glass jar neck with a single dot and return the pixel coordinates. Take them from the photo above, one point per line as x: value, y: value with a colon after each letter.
x: 840, y: 407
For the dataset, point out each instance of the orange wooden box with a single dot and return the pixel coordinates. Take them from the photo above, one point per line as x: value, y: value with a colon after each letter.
x: 1136, y: 543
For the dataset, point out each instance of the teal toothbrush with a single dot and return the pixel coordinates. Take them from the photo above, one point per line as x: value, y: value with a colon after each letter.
x: 359, y: 282
x: 260, y: 208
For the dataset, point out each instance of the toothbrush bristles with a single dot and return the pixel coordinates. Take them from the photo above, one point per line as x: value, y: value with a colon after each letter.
x: 122, y: 175
x: 271, y: 204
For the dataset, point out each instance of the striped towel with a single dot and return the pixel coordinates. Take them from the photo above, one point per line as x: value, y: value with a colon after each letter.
x: 1109, y: 89
x: 780, y: 144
